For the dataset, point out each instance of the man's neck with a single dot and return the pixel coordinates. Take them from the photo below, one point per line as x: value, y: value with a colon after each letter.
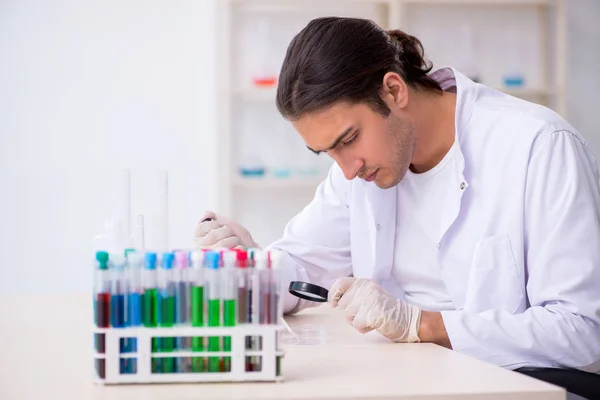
x: 436, y: 125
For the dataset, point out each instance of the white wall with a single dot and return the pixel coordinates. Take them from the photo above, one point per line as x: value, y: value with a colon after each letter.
x: 583, y: 68
x: 88, y: 87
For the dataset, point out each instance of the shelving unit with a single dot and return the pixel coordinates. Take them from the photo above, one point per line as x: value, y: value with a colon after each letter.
x: 248, y: 117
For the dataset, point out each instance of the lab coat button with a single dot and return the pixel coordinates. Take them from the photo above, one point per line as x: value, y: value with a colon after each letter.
x: 437, y: 245
x: 378, y: 227
x: 462, y: 185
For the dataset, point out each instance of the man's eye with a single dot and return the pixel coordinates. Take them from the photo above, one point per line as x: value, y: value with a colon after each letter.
x: 348, y: 142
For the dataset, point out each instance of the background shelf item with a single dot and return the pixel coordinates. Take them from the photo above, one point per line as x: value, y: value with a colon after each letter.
x: 278, y: 183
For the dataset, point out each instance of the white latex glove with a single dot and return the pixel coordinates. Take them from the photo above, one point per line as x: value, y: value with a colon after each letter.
x: 368, y: 307
x: 221, y: 232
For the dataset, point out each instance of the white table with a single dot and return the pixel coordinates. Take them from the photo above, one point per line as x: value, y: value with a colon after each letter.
x: 47, y: 354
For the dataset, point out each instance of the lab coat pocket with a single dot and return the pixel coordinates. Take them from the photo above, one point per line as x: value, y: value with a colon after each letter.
x: 493, y: 280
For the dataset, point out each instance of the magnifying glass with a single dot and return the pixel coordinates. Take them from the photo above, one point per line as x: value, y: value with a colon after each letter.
x: 308, y: 291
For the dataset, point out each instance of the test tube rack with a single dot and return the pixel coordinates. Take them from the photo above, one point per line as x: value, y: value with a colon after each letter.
x: 270, y: 354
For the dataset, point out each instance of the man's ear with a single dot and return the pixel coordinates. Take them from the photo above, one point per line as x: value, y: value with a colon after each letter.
x: 394, y: 90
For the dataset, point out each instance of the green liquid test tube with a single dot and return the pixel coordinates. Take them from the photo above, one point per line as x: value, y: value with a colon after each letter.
x: 150, y: 305
x: 197, y: 307
x: 166, y: 298
x: 229, y: 287
x: 214, y: 307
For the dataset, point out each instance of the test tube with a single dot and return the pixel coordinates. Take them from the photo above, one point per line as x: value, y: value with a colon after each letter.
x: 162, y: 215
x: 139, y: 237
x: 125, y: 202
x: 135, y: 264
x: 264, y: 276
x: 275, y: 257
x: 197, y: 307
x: 260, y: 301
x: 214, y: 306
x: 150, y: 303
x: 242, y: 286
x: 118, y: 294
x: 101, y: 308
x: 229, y: 287
x: 244, y: 291
x: 135, y: 312
x: 166, y: 313
x: 182, y: 305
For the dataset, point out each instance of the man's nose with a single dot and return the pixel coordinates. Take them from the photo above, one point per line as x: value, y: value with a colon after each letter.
x: 350, y: 166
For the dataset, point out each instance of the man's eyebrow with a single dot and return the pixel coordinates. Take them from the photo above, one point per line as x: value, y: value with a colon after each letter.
x: 335, y: 142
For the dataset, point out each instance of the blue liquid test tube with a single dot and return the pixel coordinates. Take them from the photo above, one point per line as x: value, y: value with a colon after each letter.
x: 118, y: 303
x: 135, y: 265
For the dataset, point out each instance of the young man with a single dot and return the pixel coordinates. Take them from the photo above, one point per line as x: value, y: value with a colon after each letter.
x: 467, y: 217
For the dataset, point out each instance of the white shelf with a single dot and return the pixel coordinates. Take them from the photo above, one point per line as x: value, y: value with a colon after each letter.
x: 480, y: 2
x: 304, y: 5
x: 256, y: 93
x: 268, y: 94
x: 527, y: 92
x: 268, y: 182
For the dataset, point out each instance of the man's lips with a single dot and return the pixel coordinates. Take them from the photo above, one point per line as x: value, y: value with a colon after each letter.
x: 371, y: 177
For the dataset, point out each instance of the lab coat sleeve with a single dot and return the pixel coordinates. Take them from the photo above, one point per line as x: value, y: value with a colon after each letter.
x: 561, y: 327
x: 316, y: 242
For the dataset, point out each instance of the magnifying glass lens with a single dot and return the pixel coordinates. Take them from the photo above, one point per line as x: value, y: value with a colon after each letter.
x: 308, y: 291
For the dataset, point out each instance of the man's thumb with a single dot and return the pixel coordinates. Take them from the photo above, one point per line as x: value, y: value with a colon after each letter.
x: 338, y: 289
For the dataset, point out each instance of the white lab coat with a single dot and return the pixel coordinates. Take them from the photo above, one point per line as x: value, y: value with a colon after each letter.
x: 520, y: 255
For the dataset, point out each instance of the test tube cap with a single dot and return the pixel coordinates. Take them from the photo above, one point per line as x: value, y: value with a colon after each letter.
x: 167, y: 260
x: 117, y: 260
x: 102, y: 258
x: 129, y: 250
x: 260, y: 259
x: 212, y: 259
x: 134, y: 257
x: 275, y: 256
x: 229, y: 256
x: 197, y: 257
x: 181, y: 259
x: 150, y: 260
x: 242, y: 259
x: 251, y: 251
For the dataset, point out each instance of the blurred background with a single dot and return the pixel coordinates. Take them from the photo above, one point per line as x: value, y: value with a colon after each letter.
x: 89, y: 88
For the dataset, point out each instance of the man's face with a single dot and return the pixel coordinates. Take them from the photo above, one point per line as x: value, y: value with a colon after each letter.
x: 363, y: 142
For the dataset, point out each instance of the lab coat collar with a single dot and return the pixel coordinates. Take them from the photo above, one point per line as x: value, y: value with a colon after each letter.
x: 384, y: 201
x: 466, y: 93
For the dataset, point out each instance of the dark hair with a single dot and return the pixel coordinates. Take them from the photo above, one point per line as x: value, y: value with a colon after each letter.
x: 345, y: 59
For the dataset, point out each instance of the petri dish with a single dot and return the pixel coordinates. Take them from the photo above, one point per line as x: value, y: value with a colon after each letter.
x: 306, y: 335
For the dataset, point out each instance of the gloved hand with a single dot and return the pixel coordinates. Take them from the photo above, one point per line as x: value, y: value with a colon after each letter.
x: 221, y: 232
x: 368, y: 307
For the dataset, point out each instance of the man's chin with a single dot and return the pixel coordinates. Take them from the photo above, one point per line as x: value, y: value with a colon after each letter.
x: 386, y: 183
